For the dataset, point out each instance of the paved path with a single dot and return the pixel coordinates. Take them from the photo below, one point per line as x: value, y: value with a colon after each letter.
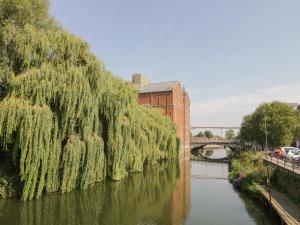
x: 286, y: 165
x: 286, y: 209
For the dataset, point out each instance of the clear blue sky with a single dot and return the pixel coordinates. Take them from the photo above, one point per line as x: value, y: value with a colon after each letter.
x: 230, y: 55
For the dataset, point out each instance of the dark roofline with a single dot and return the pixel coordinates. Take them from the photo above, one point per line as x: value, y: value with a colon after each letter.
x: 143, y: 90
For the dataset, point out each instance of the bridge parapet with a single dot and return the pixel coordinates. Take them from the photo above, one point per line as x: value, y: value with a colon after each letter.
x: 216, y: 140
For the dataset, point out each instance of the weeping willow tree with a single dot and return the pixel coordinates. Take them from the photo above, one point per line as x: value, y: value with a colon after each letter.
x: 66, y: 121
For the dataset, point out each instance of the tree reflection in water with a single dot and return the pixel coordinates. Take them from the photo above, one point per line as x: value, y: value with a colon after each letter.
x: 159, y: 195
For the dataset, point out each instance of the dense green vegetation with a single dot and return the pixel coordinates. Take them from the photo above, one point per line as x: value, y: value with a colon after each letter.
x: 282, y: 125
x: 66, y: 121
x: 249, y: 169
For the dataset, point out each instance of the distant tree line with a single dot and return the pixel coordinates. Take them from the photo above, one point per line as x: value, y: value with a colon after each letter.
x: 230, y: 134
x: 206, y: 133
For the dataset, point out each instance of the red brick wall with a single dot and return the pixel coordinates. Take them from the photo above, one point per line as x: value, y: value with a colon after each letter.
x: 178, y: 110
x: 187, y: 128
x: 162, y: 100
x: 176, y: 105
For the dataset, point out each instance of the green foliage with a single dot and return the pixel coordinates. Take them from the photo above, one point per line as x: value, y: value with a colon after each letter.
x: 230, y: 134
x: 3, y: 89
x: 7, y: 189
x: 65, y: 120
x: 249, y: 169
x: 200, y: 134
x: 280, y: 121
x: 297, y: 128
x: 208, y: 134
x: 22, y: 12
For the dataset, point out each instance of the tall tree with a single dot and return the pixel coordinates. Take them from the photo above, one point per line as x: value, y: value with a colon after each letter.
x: 65, y: 120
x: 200, y: 134
x: 297, y: 125
x: 208, y: 134
x: 230, y: 134
x: 275, y: 119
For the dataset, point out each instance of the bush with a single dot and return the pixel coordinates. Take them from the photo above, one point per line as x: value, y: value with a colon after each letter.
x: 247, y: 170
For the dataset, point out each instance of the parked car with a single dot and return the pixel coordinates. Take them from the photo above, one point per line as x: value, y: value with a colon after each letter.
x: 293, y: 155
x: 287, y: 149
x: 279, y: 153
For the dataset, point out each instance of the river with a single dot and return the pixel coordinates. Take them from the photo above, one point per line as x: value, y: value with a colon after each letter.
x: 172, y: 193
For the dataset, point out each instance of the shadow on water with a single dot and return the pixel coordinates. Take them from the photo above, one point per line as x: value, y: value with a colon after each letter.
x: 258, y: 211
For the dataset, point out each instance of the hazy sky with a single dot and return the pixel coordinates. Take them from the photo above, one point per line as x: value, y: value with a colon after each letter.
x: 230, y: 55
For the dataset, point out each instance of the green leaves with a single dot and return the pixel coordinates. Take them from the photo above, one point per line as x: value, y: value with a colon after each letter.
x: 280, y: 125
x: 66, y: 121
x: 23, y: 12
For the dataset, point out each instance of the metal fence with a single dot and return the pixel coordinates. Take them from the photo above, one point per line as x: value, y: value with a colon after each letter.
x: 290, y: 164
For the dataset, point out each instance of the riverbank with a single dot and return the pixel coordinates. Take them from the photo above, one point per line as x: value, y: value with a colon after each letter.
x: 168, y: 193
x: 288, y: 211
x: 249, y: 173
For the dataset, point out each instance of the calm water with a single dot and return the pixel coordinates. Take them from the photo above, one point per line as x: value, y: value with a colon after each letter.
x: 195, y: 193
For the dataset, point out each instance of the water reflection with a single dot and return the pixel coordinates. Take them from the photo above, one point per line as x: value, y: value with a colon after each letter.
x: 214, y: 201
x: 181, y: 197
x: 170, y: 193
x: 215, y: 151
x: 156, y: 196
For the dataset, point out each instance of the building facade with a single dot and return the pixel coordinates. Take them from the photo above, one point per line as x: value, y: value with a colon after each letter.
x: 172, y: 99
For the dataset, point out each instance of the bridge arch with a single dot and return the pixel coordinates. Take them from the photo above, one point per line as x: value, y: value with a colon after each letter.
x: 198, y: 143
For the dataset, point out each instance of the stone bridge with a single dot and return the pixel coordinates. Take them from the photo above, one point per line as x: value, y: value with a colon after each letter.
x: 200, y: 142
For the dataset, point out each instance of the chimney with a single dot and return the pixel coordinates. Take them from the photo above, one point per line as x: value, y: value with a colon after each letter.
x: 138, y: 80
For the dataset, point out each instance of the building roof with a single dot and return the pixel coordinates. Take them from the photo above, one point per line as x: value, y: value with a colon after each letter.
x: 158, y: 87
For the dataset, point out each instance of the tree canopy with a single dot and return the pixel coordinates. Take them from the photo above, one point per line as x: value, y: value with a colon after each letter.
x: 280, y: 120
x: 200, y: 134
x: 230, y: 134
x: 65, y: 120
x: 208, y: 134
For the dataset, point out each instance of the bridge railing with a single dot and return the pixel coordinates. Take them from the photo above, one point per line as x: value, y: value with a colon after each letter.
x: 284, y: 162
x: 198, y: 140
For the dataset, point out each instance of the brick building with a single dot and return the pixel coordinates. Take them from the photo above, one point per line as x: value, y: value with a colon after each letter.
x: 172, y: 99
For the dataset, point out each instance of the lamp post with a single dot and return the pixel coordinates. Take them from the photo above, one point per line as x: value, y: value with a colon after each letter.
x: 266, y: 134
x: 266, y: 152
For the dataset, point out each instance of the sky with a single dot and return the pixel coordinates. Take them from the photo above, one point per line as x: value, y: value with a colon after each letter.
x: 230, y: 55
